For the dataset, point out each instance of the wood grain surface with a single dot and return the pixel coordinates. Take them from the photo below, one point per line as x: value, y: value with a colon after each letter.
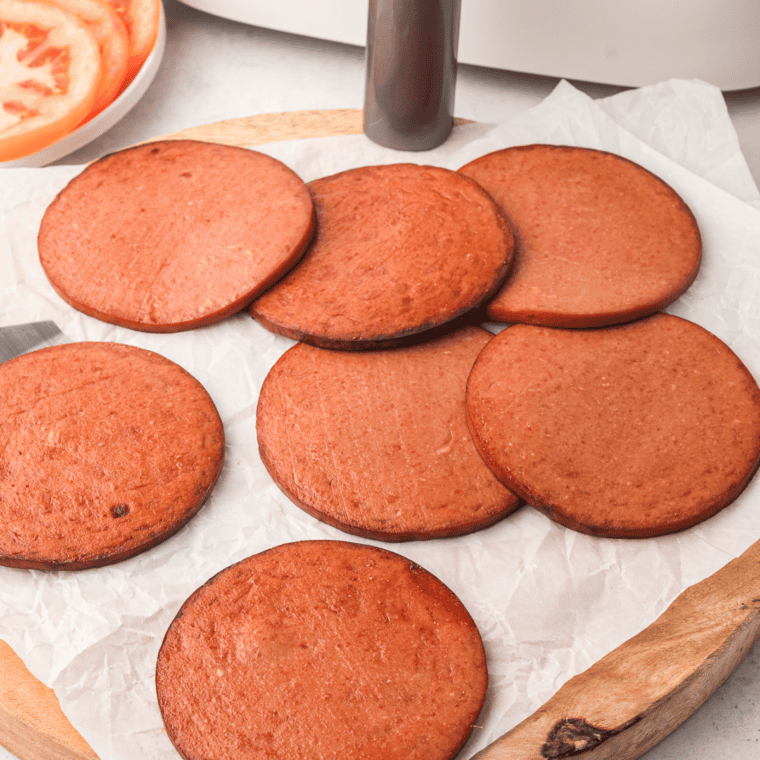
x: 273, y: 127
x: 640, y: 692
x: 619, y: 708
x: 32, y: 724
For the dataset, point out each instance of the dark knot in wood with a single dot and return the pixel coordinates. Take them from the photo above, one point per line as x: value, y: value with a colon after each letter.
x: 571, y: 736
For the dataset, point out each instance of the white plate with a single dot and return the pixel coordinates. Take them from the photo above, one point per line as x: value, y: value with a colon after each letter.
x: 107, y: 117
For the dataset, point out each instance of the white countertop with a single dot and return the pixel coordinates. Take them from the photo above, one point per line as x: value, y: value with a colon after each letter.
x: 214, y: 69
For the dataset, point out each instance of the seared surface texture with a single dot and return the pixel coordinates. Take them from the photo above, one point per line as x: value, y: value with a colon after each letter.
x: 635, y: 430
x: 174, y: 235
x: 106, y: 451
x: 599, y: 240
x: 376, y: 442
x: 321, y: 649
x: 399, y: 249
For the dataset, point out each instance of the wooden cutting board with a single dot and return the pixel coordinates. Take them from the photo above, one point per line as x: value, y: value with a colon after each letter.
x: 617, y: 710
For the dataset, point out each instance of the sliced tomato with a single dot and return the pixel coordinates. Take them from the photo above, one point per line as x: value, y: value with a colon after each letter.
x: 141, y: 17
x: 50, y: 71
x: 111, y: 34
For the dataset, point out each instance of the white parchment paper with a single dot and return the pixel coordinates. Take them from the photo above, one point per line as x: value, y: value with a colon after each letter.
x: 549, y: 602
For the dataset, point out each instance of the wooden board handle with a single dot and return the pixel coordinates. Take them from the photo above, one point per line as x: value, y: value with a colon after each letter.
x: 636, y: 695
x: 32, y: 724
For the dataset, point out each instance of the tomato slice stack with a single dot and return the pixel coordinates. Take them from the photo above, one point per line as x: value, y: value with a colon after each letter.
x: 111, y: 35
x: 141, y: 18
x: 64, y: 61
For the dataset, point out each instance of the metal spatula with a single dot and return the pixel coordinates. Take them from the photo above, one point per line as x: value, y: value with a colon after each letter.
x: 18, y: 339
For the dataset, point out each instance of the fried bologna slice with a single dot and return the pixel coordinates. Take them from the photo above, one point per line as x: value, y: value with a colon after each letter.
x: 599, y: 240
x: 173, y: 235
x: 376, y: 442
x: 399, y: 250
x: 106, y: 451
x: 629, y: 431
x: 321, y: 649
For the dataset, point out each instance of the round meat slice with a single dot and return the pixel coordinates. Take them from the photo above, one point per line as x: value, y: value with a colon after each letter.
x: 106, y: 451
x: 376, y: 442
x: 399, y: 250
x: 174, y: 235
x: 599, y: 240
x: 321, y: 649
x: 628, y: 431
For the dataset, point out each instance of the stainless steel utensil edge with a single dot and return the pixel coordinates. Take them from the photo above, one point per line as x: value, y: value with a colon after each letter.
x: 22, y: 338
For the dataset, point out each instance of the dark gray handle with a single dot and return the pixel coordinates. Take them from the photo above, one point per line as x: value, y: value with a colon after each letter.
x: 411, y: 72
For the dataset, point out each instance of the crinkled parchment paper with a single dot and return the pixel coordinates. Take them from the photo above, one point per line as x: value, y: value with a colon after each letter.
x: 549, y: 602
